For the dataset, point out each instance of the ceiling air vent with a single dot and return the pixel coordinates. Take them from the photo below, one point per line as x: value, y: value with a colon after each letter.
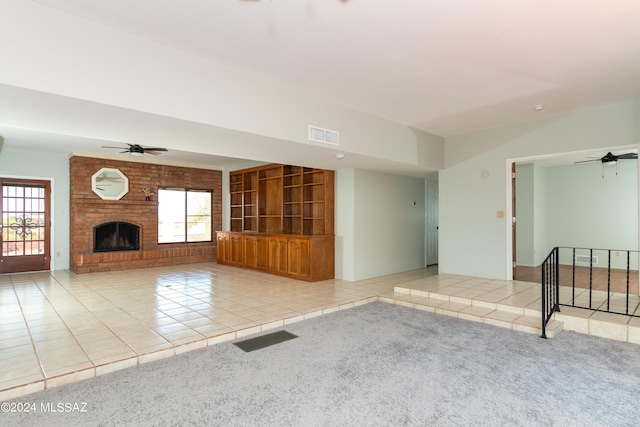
x: 324, y: 135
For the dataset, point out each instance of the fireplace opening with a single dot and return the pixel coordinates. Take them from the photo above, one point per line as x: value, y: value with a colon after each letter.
x: 116, y: 236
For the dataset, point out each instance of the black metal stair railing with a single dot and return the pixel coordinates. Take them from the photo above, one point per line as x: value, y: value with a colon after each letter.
x: 610, y: 289
x: 621, y: 292
x: 550, y: 288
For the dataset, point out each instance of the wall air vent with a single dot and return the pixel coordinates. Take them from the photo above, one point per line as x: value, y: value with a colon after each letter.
x: 586, y: 259
x: 324, y: 135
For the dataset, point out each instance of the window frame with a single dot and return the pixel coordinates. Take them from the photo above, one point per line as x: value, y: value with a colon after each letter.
x: 186, y: 191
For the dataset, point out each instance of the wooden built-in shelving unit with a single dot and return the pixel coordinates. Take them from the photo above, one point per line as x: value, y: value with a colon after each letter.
x: 272, y: 204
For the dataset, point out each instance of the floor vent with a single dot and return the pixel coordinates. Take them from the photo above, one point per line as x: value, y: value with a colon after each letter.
x: 264, y: 341
x: 586, y: 259
x: 324, y: 135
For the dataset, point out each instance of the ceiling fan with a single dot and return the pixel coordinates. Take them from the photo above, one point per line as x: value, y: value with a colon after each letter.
x: 139, y: 150
x: 611, y: 158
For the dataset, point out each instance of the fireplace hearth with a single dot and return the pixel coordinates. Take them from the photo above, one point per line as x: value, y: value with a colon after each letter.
x: 116, y: 236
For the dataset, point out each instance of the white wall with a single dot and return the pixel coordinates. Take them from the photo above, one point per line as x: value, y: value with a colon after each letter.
x: 45, y: 166
x: 575, y: 206
x: 389, y: 229
x: 473, y: 241
x: 588, y: 210
x: 542, y: 240
x: 345, y: 224
x: 525, y: 215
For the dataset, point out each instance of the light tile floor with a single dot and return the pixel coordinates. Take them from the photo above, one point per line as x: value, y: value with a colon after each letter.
x: 58, y: 327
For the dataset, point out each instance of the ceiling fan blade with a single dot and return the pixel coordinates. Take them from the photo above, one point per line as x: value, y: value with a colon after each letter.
x: 587, y: 161
x: 139, y: 149
x: 628, y: 156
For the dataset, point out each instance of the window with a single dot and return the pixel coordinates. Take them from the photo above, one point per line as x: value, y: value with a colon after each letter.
x: 184, y: 216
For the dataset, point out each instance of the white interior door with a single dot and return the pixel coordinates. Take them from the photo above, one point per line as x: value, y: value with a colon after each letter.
x: 431, y: 213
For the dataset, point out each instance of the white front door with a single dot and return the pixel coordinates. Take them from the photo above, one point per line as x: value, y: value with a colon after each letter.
x: 431, y: 213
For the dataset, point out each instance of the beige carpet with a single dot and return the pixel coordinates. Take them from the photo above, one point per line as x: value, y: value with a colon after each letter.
x: 373, y: 365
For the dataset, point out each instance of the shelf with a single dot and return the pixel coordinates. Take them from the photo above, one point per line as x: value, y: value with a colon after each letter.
x: 283, y: 199
x: 273, y: 173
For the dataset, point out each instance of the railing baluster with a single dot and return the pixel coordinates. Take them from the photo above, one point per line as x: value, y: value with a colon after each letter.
x: 590, y: 275
x: 544, y: 297
x: 609, y: 280
x: 628, y: 252
x: 556, y: 299
x: 573, y: 278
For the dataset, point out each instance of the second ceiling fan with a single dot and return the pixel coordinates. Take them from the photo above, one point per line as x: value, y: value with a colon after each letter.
x: 612, y: 158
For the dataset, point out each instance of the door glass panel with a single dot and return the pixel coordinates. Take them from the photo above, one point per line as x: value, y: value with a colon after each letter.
x: 23, y: 220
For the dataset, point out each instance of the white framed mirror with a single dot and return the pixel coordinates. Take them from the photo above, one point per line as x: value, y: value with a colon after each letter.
x: 110, y: 184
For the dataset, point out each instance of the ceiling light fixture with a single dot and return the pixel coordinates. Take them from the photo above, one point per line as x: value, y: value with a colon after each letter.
x: 538, y: 107
x: 340, y: 156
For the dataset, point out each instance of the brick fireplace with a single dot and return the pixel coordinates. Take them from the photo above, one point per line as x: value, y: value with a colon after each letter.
x: 88, y: 211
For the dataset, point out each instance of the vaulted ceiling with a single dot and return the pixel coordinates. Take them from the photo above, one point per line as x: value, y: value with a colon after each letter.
x: 446, y: 68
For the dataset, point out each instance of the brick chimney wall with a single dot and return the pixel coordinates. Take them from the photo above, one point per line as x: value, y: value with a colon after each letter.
x: 87, y: 210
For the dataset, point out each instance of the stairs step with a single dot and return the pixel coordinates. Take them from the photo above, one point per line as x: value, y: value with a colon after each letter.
x: 506, y: 316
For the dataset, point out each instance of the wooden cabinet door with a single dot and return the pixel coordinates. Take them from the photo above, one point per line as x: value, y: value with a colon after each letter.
x: 250, y: 251
x: 223, y: 247
x: 256, y: 251
x: 262, y: 252
x: 298, y: 258
x: 278, y: 254
x: 235, y: 249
